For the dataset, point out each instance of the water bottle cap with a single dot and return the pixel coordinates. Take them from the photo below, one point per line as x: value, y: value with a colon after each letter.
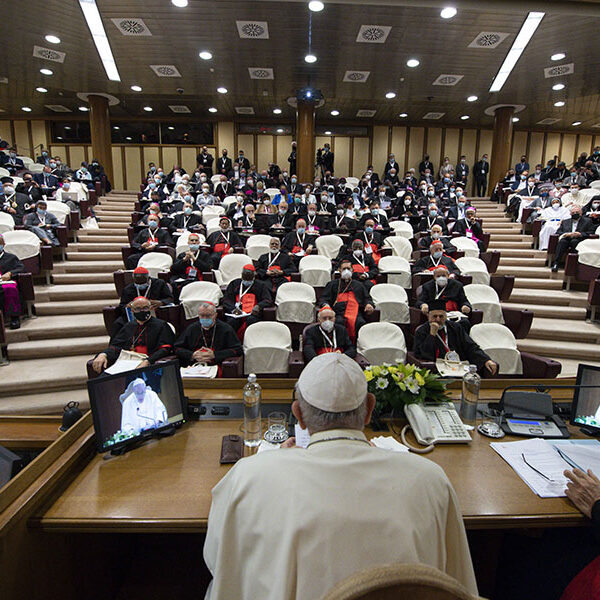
x: 252, y: 378
x: 472, y: 368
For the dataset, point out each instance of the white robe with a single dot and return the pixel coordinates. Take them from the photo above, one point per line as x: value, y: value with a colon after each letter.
x: 292, y: 523
x: 143, y: 415
x: 552, y: 220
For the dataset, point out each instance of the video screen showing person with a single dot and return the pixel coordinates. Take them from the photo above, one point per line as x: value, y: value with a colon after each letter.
x: 127, y: 405
x: 587, y: 400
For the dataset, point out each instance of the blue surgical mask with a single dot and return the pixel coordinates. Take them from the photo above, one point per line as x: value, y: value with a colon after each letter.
x: 437, y: 254
x: 194, y: 247
x: 459, y: 194
x: 433, y: 213
x: 66, y: 186
x: 1, y: 247
x: 142, y: 286
x: 41, y: 212
x: 461, y: 204
x: 153, y: 224
x: 430, y: 193
x: 247, y: 282
x: 446, y: 179
x: 206, y: 323
x: 187, y: 210
x: 152, y: 186
x: 301, y: 230
x: 368, y: 230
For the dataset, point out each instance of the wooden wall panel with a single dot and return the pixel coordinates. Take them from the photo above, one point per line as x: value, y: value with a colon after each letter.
x: 225, y: 138
x: 59, y: 151
x: 398, y: 147
x: 451, y: 146
x: 569, y: 147
x: 284, y: 148
x: 188, y: 158
x: 150, y: 155
x: 415, y: 148
x: 485, y: 143
x: 245, y: 142
x: 552, y: 145
x: 118, y: 169
x: 433, y: 147
x: 132, y: 167
x: 469, y: 141
x: 536, y: 145
x: 585, y: 144
x: 342, y: 157
x: 169, y: 158
x: 38, y: 133
x: 5, y: 132
x: 77, y: 154
x: 380, y: 147
x: 596, y: 141
x: 265, y: 151
x: 22, y: 139
x: 360, y: 156
x: 519, y: 147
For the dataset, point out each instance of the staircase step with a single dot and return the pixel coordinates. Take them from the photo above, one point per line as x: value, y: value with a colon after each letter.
x: 512, y: 261
x: 101, y: 239
x: 66, y: 347
x: 494, y: 226
x: 556, y: 298
x: 522, y: 252
x: 577, y: 350
x: 562, y: 329
x: 532, y: 282
x: 538, y: 272
x: 58, y: 326
x: 44, y: 403
x: 552, y: 311
x: 92, y: 266
x: 112, y: 212
x: 502, y: 244
x: 116, y: 219
x: 75, y: 256
x: 69, y: 307
x: 100, y: 246
x: 92, y: 291
x: 506, y: 237
x: 83, y: 233
x: 63, y: 278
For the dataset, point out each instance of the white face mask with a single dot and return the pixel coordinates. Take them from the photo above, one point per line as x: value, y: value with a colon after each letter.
x: 346, y: 274
x: 357, y: 253
x: 555, y: 206
x: 327, y: 326
x: 442, y: 281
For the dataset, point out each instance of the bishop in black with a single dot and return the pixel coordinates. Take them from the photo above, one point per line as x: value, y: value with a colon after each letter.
x: 274, y: 267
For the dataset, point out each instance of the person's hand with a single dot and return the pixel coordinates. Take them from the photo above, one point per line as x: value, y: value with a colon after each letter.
x: 363, y: 276
x: 369, y: 309
x: 583, y: 490
x: 465, y: 310
x: 452, y: 276
x: 230, y: 251
x: 309, y: 249
x: 491, y: 366
x: 155, y: 304
x: 255, y: 310
x: 143, y: 363
x: 188, y: 255
x: 100, y: 362
x: 424, y: 308
x: 12, y: 211
x: 289, y: 443
x: 576, y: 234
x: 434, y: 328
x: 5, y: 276
x: 146, y: 245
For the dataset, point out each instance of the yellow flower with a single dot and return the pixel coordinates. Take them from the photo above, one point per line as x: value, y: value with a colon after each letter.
x: 369, y: 375
x: 419, y: 378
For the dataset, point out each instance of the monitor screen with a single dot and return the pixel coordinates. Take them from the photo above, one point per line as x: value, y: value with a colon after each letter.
x: 129, y: 405
x: 586, y: 401
x: 10, y: 464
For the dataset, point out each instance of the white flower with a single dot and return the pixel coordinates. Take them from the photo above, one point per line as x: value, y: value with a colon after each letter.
x: 411, y: 385
x: 381, y: 383
x: 384, y: 371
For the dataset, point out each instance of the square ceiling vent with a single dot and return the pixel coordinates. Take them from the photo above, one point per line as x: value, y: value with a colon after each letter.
x: 253, y: 30
x: 548, y: 121
x: 447, y: 79
x: 356, y: 76
x: 559, y: 70
x: 261, y: 73
x: 488, y: 39
x: 3, y: 79
x: 363, y: 112
x: 131, y: 26
x: 244, y: 110
x: 179, y: 108
x: 49, y: 54
x: 57, y: 107
x: 373, y: 34
x: 433, y: 115
x: 165, y: 70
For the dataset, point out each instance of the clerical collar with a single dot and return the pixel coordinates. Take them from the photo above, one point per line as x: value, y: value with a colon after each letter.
x: 331, y: 435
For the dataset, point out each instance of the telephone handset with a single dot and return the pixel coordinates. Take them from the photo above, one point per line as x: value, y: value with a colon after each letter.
x: 434, y: 424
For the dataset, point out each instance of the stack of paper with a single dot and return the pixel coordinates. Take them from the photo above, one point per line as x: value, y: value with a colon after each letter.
x: 389, y: 443
x: 199, y: 371
x: 541, y: 463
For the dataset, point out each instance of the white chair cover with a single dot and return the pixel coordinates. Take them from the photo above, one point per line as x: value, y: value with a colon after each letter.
x: 295, y: 302
x: 392, y: 301
x: 6, y: 222
x: 402, y: 229
x: 215, y: 179
x: 400, y: 246
x: 182, y: 242
x: 257, y: 245
x: 397, y: 270
x: 315, y: 270
x: 228, y: 201
x: 381, y: 342
x: 23, y: 244
x: 267, y: 347
x: 484, y: 298
x: 59, y: 209
x: 196, y: 292
x: 156, y: 262
x: 80, y: 189
x: 212, y: 225
x: 329, y: 245
x: 35, y: 168
x: 211, y: 212
x: 27, y: 161
x: 272, y: 192
x: 589, y: 252
x: 499, y: 343
x: 475, y: 267
x: 353, y: 181
x: 17, y: 180
x: 597, y: 230
x: 230, y: 268
x: 4, y: 172
x: 466, y: 245
x: 595, y: 185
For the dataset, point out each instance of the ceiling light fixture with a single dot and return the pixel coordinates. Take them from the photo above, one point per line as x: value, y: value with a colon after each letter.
x: 26, y: 108
x: 558, y: 86
x: 465, y: 117
x: 68, y: 128
x: 403, y: 115
x: 212, y: 109
x: 328, y: 133
x: 42, y: 90
x: 171, y: 128
x: 412, y: 63
x: 277, y: 111
x: 334, y: 113
x: 558, y: 56
x: 136, y: 88
x: 52, y: 39
x: 575, y: 123
x: 316, y: 5
x: 222, y: 90
x: 94, y: 22
x: 128, y: 138
x: 390, y: 95
x: 448, y: 12
x: 515, y: 119
x: 559, y: 103
x: 179, y: 3
x: 310, y: 58
x: 46, y: 72
x: 84, y: 109
x: 116, y: 128
x: 205, y: 55
x: 280, y: 130
x: 525, y: 34
x: 472, y: 99
x: 148, y: 108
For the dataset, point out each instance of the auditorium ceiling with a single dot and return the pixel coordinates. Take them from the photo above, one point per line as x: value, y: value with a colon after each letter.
x: 258, y: 51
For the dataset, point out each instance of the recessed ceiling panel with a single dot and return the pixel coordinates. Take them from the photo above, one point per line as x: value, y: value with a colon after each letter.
x: 356, y: 76
x: 253, y: 30
x: 373, y: 34
x: 131, y: 26
x: 559, y: 70
x: 49, y: 54
x: 166, y: 70
x: 261, y: 73
x: 488, y: 39
x: 447, y: 79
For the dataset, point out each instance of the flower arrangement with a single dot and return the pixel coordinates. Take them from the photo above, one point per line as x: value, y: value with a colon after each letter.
x: 397, y: 385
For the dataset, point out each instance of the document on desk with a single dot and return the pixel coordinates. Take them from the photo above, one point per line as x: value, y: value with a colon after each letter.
x: 121, y: 366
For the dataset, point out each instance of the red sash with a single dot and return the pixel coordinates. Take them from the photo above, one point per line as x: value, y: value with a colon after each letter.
x: 221, y: 247
x: 198, y: 273
x: 351, y: 312
x: 375, y: 253
x: 586, y: 585
x: 296, y: 249
x: 451, y: 305
x: 327, y: 350
x: 358, y: 268
x: 141, y: 349
x: 248, y: 301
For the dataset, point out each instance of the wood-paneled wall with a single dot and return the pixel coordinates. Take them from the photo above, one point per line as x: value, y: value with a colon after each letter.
x: 352, y: 154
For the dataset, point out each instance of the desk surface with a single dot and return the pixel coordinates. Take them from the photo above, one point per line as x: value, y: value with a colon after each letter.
x: 29, y: 431
x: 164, y: 486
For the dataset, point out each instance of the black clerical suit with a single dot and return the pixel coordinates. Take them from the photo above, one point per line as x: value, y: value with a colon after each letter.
x: 191, y: 222
x: 342, y: 224
x: 223, y: 190
x: 224, y: 166
x: 294, y: 243
x: 280, y: 259
x: 480, y: 171
x: 584, y: 226
x: 463, y: 225
x: 388, y: 167
x: 428, y: 263
x: 16, y: 205
x: 317, y: 341
x: 245, y: 298
x: 462, y: 173
x: 327, y: 158
x: 13, y: 165
x: 205, y: 163
x: 189, y: 270
x: 220, y: 242
x: 160, y: 236
x: 424, y: 165
x: 426, y: 223
x: 453, y: 293
x: 430, y: 348
x: 220, y: 338
x: 426, y: 241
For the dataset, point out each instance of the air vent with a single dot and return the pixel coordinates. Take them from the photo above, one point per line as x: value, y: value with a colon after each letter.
x: 363, y: 112
x: 446, y: 79
x: 596, y: 126
x: 244, y: 110
x: 548, y: 121
x: 559, y: 70
x: 260, y: 73
x: 57, y: 107
x: 433, y: 115
x: 488, y: 39
x: 165, y: 70
x: 356, y: 76
x: 131, y: 26
x: 373, y: 34
x: 49, y: 54
x: 179, y: 108
x: 3, y: 79
x: 253, y: 30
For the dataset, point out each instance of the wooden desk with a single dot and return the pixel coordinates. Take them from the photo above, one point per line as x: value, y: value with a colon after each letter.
x: 29, y: 431
x: 164, y: 487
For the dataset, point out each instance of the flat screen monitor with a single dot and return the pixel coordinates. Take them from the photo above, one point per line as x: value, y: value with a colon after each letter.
x: 586, y: 401
x: 10, y: 465
x: 130, y: 406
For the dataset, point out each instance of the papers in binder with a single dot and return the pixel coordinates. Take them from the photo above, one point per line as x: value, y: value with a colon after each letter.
x: 387, y: 442
x: 205, y: 371
x: 121, y: 366
x: 239, y: 316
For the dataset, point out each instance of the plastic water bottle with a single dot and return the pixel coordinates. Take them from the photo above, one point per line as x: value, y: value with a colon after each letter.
x: 252, y: 424
x: 470, y: 396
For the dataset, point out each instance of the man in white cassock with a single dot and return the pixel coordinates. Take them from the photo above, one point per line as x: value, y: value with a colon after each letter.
x: 142, y: 409
x: 291, y: 523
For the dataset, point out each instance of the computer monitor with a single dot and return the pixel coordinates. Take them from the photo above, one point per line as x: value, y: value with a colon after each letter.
x: 10, y: 465
x: 586, y: 401
x: 129, y: 406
